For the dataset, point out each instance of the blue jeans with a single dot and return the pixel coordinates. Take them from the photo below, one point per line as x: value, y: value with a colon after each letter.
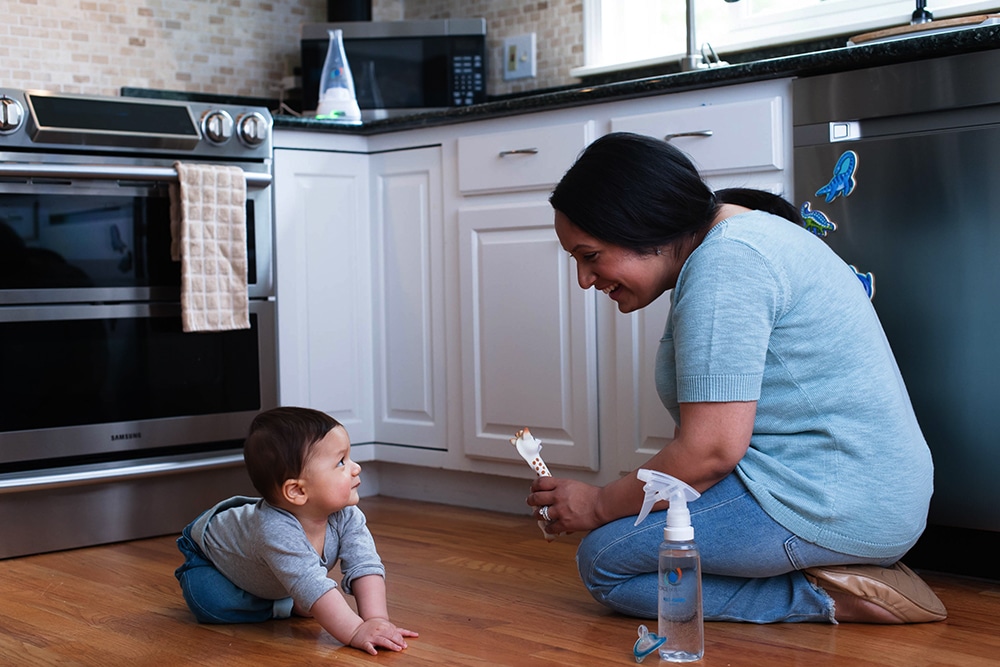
x: 212, y: 598
x: 750, y: 563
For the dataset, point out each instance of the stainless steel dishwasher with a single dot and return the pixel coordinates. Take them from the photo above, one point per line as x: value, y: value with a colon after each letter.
x: 904, y: 161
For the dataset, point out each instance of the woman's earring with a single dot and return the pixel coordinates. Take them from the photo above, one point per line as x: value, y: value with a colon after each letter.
x: 659, y: 252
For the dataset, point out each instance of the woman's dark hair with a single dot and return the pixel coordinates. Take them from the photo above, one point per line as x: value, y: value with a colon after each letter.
x: 279, y: 444
x: 641, y: 193
x: 759, y: 200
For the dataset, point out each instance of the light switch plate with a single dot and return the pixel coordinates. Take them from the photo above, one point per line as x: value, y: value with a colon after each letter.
x: 519, y: 60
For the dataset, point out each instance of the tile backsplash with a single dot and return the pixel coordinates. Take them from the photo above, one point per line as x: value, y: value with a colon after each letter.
x: 238, y: 47
x: 557, y: 24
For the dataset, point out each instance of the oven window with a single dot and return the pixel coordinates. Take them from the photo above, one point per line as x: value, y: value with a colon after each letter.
x: 92, y: 240
x: 60, y: 373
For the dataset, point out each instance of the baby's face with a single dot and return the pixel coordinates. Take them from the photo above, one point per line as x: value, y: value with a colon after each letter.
x: 331, y: 477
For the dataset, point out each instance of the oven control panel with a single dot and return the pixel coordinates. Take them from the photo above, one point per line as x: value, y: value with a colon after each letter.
x: 33, y: 120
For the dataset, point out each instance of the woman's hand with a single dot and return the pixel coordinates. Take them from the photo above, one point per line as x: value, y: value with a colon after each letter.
x: 572, y: 505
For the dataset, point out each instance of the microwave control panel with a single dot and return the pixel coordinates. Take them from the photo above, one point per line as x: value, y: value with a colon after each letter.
x: 468, y: 79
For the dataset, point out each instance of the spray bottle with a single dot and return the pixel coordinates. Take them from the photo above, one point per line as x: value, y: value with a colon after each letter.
x: 679, y: 589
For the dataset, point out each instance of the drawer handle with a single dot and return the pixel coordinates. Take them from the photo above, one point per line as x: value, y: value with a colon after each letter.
x: 696, y: 133
x: 519, y: 151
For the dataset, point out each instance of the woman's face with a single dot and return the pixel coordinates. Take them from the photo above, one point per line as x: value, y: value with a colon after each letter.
x: 630, y: 279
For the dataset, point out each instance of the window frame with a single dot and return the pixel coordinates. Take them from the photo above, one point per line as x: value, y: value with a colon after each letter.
x: 749, y: 30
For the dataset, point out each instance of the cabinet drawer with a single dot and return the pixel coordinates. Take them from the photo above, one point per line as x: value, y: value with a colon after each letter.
x: 736, y: 136
x: 520, y: 160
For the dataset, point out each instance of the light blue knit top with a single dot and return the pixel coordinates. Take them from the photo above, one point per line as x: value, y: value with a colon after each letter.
x: 765, y: 311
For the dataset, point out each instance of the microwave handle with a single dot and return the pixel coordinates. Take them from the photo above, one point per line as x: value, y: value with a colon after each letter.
x: 110, y: 172
x: 54, y: 480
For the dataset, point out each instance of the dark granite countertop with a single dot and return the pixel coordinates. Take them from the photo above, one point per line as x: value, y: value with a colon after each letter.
x: 806, y: 64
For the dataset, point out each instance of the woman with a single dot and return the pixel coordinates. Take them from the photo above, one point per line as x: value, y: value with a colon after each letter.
x: 794, y: 422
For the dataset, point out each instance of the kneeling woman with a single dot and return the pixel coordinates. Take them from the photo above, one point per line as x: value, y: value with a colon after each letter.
x: 793, y: 420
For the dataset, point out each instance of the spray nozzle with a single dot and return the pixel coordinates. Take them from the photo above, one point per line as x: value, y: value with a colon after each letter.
x: 661, y: 486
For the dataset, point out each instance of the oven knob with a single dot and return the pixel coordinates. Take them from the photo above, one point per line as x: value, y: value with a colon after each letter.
x: 252, y: 129
x: 11, y: 115
x: 218, y: 126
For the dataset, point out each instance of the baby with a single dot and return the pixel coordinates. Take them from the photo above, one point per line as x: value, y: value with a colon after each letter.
x: 252, y: 559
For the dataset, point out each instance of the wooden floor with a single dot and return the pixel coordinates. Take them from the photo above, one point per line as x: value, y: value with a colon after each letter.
x: 481, y: 588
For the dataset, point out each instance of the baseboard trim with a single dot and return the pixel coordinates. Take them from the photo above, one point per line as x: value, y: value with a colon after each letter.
x: 447, y: 487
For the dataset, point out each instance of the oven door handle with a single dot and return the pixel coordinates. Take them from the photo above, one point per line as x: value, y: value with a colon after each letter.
x: 55, y: 480
x: 109, y: 172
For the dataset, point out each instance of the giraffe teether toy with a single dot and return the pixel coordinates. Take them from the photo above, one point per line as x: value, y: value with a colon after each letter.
x: 530, y: 450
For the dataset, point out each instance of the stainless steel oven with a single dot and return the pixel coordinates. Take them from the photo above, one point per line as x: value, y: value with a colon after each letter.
x: 114, y: 424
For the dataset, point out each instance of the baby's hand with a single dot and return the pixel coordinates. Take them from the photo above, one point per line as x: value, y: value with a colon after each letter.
x: 380, y: 632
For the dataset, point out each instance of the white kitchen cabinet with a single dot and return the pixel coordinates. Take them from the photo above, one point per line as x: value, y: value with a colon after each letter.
x: 528, y: 338
x: 409, y: 311
x: 529, y: 355
x: 736, y: 136
x: 323, y: 260
x: 519, y: 160
x: 634, y: 423
x: 739, y: 136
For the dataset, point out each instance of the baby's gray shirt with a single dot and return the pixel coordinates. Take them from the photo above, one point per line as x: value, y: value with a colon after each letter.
x: 264, y: 550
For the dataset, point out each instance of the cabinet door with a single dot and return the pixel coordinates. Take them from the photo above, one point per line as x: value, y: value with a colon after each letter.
x: 407, y: 231
x: 528, y: 338
x: 324, y: 295
x: 642, y: 425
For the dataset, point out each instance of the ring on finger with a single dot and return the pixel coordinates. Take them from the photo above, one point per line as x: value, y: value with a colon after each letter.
x: 544, y: 511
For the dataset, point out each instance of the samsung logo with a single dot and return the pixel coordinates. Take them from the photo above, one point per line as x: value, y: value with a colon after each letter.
x: 125, y: 436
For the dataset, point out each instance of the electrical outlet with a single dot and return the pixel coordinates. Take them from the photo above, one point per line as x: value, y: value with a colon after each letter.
x: 519, y: 57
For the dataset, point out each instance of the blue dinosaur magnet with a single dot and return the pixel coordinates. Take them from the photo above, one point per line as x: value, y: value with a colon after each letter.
x: 816, y: 221
x: 867, y: 281
x: 843, y: 181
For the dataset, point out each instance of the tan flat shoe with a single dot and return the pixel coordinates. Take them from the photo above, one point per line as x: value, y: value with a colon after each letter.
x: 897, y: 589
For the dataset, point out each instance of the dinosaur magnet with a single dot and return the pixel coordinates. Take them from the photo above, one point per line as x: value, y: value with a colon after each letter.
x: 867, y: 281
x: 816, y: 221
x: 843, y: 180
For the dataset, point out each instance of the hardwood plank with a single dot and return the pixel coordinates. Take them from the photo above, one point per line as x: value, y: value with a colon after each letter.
x: 482, y: 588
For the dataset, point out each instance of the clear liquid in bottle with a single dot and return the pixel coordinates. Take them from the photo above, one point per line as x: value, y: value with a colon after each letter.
x: 679, y: 595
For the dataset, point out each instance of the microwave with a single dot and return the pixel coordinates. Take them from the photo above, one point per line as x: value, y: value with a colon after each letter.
x: 402, y: 67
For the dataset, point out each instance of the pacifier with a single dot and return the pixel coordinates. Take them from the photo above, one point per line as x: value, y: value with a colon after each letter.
x: 647, y: 643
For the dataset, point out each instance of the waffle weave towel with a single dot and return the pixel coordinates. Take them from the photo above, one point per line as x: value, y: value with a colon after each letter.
x: 209, y: 238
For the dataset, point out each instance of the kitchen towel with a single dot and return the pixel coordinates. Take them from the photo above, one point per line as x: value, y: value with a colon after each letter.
x: 209, y: 238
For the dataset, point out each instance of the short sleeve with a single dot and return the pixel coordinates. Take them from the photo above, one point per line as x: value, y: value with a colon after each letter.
x: 726, y: 304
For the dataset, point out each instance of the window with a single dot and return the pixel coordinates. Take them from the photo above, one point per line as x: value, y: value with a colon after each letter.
x: 630, y: 33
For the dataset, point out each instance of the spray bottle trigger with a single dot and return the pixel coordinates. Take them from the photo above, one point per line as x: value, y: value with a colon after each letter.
x: 661, y: 486
x: 652, y: 491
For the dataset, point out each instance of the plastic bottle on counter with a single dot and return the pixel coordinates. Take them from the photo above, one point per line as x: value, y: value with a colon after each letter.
x: 337, y: 98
